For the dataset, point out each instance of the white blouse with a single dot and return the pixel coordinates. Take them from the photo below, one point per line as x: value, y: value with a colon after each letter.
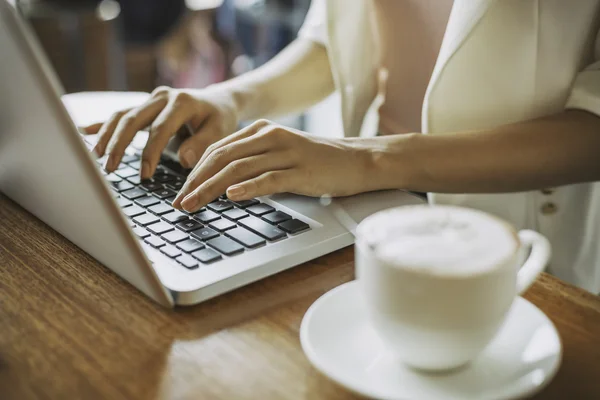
x: 500, y: 62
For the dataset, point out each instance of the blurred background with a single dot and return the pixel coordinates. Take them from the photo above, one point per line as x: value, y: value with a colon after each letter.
x: 136, y: 45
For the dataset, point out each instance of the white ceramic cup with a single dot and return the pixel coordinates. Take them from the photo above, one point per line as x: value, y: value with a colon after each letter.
x: 435, y: 321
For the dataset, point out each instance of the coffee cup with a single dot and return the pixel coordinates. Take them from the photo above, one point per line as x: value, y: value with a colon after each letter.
x: 438, y: 281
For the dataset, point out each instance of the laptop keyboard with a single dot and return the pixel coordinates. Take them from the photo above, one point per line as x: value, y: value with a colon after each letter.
x: 223, y: 228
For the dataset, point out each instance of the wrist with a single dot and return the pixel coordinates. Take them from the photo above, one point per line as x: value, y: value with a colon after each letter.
x: 240, y: 98
x: 388, y: 162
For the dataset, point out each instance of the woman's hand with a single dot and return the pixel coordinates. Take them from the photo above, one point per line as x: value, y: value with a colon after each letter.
x: 211, y: 114
x: 266, y: 158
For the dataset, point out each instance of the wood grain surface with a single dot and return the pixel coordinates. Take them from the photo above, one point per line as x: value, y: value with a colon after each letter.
x: 71, y: 329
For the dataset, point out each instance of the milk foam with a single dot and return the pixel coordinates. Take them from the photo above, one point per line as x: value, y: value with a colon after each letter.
x: 442, y: 240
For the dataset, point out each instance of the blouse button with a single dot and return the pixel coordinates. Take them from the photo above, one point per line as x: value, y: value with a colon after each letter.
x: 547, y: 192
x: 549, y: 208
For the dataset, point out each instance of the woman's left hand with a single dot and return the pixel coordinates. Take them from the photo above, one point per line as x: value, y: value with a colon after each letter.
x: 265, y: 158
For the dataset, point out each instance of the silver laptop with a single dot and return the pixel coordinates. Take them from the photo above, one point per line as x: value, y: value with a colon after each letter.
x: 130, y: 226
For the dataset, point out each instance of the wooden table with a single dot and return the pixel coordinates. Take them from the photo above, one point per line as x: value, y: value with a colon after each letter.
x: 71, y: 329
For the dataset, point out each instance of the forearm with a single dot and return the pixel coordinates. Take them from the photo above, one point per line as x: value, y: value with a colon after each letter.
x: 546, y: 152
x: 298, y: 77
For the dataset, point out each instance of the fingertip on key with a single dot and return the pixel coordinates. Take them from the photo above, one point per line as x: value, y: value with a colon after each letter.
x: 109, y: 164
x: 145, y: 170
x: 190, y: 203
x: 236, y: 192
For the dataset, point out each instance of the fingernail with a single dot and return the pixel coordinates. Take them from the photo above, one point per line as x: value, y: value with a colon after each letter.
x: 236, y: 191
x: 145, y: 171
x: 189, y: 203
x: 178, y: 198
x: 189, y: 157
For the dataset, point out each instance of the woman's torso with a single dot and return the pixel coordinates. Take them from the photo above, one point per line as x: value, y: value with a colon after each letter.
x: 514, y: 61
x: 410, y: 34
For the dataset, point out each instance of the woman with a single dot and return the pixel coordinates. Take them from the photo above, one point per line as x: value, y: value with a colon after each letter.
x: 510, y: 109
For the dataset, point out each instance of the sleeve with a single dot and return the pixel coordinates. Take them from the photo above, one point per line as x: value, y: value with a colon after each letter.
x: 315, y: 24
x: 585, y: 93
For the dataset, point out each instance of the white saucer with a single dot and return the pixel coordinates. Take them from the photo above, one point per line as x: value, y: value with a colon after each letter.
x: 339, y: 342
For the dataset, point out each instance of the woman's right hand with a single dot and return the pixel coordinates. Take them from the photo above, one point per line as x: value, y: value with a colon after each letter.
x: 210, y: 113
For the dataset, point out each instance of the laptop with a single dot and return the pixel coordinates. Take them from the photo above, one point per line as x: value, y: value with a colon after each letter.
x: 129, y: 225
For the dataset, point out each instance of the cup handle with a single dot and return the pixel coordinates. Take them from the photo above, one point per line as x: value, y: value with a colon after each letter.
x: 537, y: 260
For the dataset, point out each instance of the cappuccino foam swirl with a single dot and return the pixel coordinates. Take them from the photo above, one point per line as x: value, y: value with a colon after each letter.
x: 443, y: 240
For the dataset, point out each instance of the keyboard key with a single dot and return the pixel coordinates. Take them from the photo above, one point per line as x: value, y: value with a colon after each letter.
x: 147, y: 201
x: 167, y: 164
x: 219, y: 206
x: 174, y: 185
x: 245, y: 237
x: 174, y: 217
x: 204, y: 234
x: 235, y: 214
x: 276, y: 217
x: 121, y: 186
x: 164, y: 193
x: 135, y: 164
x: 206, y: 216
x: 293, y: 226
x: 141, y: 232
x: 154, y: 241
x: 170, y: 251
x: 169, y: 200
x: 121, y: 165
x: 160, y: 209
x: 131, y: 223
x: 189, y: 225
x: 187, y: 261
x: 133, y: 194
x: 225, y: 245
x: 135, y: 179
x: 151, y: 186
x: 126, y: 172
x: 145, y: 219
x: 206, y: 255
x: 112, y: 178
x: 191, y: 214
x: 174, y: 236
x: 260, y: 209
x: 128, y: 159
x: 190, y: 245
x: 102, y: 160
x: 245, y: 203
x: 222, y: 225
x: 159, y: 228
x: 123, y: 202
x: 262, y: 228
x: 163, y: 177
x: 133, y: 211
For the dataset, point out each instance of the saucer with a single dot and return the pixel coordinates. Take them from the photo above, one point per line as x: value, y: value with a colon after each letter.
x: 339, y: 341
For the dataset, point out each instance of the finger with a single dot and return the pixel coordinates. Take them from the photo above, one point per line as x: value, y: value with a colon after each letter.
x: 241, y: 134
x: 193, y: 147
x: 91, y: 129
x: 106, y: 132
x: 219, y: 159
x: 268, y: 183
x: 181, y: 109
x: 129, y: 125
x: 172, y: 117
x: 234, y: 173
